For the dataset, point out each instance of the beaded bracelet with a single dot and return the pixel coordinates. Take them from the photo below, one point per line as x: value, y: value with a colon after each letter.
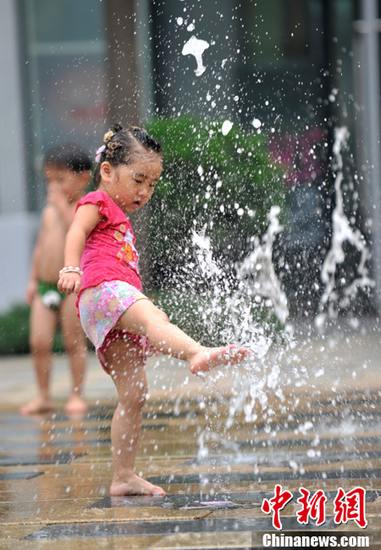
x: 70, y: 269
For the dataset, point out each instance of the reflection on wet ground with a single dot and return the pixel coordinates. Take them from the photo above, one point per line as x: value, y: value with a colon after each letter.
x: 55, y: 472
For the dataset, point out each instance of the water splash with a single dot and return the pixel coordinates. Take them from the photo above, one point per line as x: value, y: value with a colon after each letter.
x: 226, y: 127
x: 196, y: 47
x: 247, y: 301
x: 239, y: 301
x: 259, y: 265
x: 248, y: 305
x: 342, y: 232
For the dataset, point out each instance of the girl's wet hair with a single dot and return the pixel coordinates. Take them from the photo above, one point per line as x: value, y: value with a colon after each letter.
x: 120, y: 145
x: 69, y: 156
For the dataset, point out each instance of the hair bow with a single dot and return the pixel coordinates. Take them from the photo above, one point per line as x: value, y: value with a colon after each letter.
x: 99, y: 153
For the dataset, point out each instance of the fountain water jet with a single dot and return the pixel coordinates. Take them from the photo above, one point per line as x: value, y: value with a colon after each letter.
x: 250, y: 307
x: 342, y: 232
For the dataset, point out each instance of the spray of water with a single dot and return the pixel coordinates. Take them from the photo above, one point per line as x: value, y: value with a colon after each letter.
x: 196, y: 47
x: 259, y: 266
x: 254, y: 289
x: 254, y: 309
x: 342, y: 232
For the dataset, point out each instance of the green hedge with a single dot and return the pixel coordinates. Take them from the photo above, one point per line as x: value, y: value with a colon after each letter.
x: 14, y: 331
x: 232, y: 192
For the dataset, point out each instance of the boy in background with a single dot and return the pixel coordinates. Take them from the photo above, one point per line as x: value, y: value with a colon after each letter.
x: 67, y: 170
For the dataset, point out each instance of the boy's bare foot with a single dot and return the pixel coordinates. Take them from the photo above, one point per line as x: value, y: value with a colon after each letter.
x: 135, y: 485
x: 39, y: 405
x: 76, y: 405
x: 208, y: 358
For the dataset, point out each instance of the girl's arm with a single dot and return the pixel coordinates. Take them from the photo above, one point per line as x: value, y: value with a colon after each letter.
x: 85, y: 219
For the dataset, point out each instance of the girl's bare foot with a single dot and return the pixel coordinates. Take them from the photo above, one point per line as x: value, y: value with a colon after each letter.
x: 39, y: 405
x: 208, y: 358
x: 135, y: 485
x: 76, y: 405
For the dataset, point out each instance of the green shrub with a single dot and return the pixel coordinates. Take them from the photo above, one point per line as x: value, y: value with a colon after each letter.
x: 14, y: 331
x: 232, y: 192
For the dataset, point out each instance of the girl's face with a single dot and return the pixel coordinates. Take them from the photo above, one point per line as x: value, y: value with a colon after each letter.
x: 131, y: 185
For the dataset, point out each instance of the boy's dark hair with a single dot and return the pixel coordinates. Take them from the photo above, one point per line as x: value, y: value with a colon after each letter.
x: 70, y: 156
x: 119, y: 146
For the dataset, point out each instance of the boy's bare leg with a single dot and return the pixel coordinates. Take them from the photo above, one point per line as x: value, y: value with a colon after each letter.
x: 143, y: 317
x: 125, y: 362
x: 75, y: 346
x: 43, y: 322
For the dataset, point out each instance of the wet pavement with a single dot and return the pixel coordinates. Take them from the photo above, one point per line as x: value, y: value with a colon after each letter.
x: 55, y: 470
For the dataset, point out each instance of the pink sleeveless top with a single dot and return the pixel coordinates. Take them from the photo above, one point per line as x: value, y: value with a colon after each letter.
x: 109, y: 253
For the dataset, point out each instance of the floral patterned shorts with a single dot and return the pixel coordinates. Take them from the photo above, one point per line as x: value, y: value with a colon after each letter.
x: 100, y: 309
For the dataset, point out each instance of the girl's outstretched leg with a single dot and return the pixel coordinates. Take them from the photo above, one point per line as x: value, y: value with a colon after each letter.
x: 144, y: 318
x: 125, y: 362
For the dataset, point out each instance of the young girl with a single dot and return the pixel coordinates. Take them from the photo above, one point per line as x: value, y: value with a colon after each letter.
x: 101, y: 265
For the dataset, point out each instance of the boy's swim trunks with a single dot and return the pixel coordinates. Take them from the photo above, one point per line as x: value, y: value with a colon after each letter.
x: 51, y: 297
